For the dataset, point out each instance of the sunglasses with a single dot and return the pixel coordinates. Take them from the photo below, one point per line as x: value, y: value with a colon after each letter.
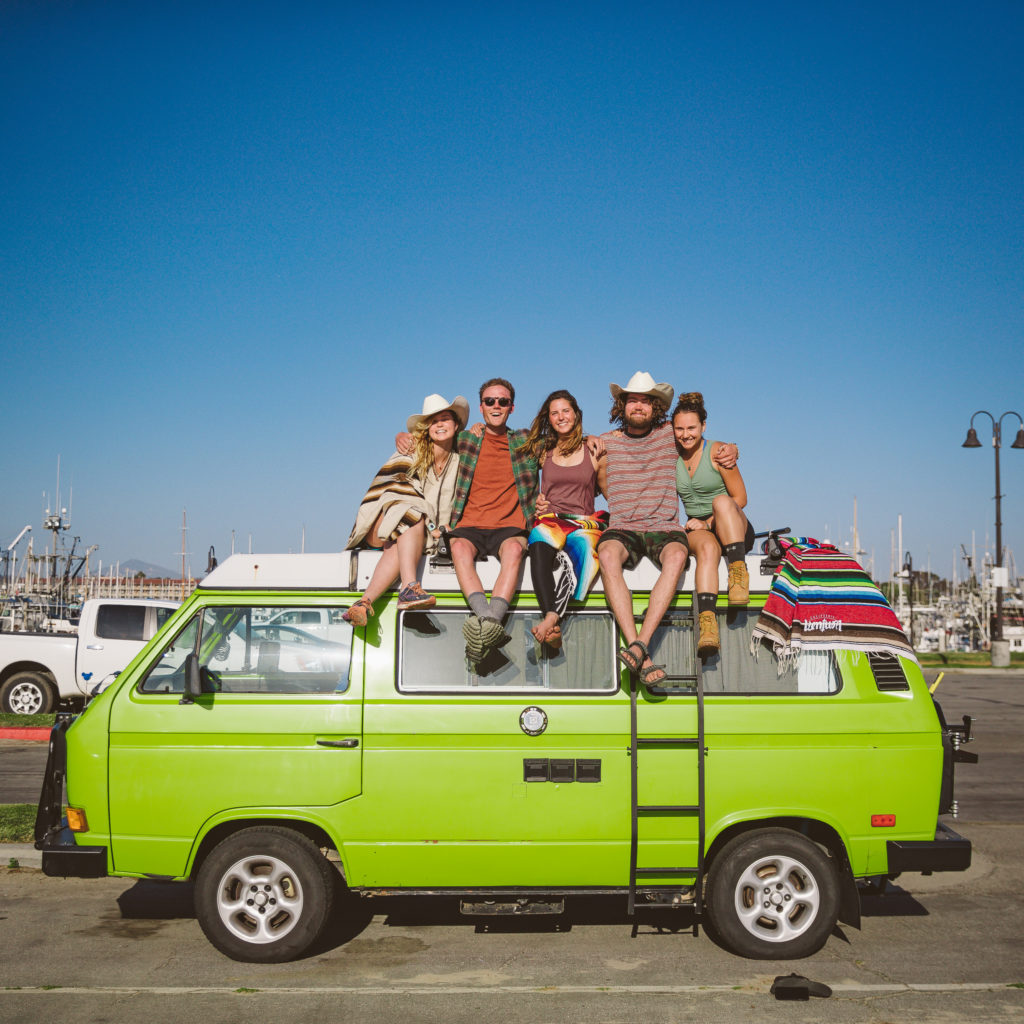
x: 502, y: 402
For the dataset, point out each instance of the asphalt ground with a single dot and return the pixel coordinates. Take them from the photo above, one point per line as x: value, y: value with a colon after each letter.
x: 944, y: 947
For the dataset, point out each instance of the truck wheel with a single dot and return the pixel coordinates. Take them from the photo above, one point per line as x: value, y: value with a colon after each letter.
x: 264, y: 895
x: 772, y: 894
x: 27, y: 693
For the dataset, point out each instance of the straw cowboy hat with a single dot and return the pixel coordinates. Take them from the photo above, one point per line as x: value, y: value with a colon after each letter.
x: 433, y: 404
x: 642, y: 383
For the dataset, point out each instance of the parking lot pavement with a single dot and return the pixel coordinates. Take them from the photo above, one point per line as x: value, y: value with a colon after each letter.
x: 942, y: 947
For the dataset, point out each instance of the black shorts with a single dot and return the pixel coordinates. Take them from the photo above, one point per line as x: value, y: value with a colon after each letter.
x: 638, y: 544
x: 487, y: 542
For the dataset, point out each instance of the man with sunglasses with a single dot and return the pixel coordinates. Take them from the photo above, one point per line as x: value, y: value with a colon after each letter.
x: 495, y: 499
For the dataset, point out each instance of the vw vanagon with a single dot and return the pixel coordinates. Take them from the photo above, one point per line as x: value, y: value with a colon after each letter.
x: 286, y: 778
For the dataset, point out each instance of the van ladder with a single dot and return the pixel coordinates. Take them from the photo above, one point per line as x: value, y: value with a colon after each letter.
x: 691, y: 684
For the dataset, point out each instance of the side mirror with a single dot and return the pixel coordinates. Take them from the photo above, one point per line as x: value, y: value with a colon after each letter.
x: 193, y: 682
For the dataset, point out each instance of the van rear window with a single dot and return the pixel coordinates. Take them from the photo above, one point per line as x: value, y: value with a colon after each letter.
x: 432, y: 655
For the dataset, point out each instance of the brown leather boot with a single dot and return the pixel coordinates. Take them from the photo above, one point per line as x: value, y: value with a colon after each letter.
x: 707, y: 639
x: 739, y: 584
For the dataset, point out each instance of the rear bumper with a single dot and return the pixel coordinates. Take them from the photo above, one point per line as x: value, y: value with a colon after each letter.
x: 948, y: 851
x: 62, y: 858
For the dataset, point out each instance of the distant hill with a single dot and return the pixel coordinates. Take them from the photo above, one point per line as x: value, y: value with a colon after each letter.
x: 136, y: 565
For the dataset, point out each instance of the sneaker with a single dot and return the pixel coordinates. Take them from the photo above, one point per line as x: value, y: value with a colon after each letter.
x: 707, y: 640
x: 414, y: 596
x: 739, y: 583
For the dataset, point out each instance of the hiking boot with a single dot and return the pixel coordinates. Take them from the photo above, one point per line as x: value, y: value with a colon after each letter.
x: 707, y: 640
x: 493, y: 634
x: 739, y: 584
x: 414, y: 596
x: 472, y: 634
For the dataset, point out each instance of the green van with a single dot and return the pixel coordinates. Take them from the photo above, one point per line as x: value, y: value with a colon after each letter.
x: 284, y: 771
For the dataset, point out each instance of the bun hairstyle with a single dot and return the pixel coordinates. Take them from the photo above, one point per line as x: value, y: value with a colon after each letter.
x: 692, y: 401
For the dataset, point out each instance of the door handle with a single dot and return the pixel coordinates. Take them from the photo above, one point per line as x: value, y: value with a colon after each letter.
x: 337, y: 743
x: 94, y: 647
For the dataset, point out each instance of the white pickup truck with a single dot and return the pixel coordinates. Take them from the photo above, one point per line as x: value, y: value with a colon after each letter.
x: 38, y: 670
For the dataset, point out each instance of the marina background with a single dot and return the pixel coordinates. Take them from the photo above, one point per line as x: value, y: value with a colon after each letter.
x: 240, y: 243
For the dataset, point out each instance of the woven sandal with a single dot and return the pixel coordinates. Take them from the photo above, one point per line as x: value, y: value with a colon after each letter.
x: 628, y: 658
x: 359, y: 612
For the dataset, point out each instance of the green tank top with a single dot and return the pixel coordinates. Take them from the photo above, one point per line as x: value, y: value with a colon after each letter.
x: 698, y: 491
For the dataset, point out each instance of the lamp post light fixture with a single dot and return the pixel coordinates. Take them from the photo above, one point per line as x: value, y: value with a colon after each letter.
x: 973, y: 442
x: 908, y: 574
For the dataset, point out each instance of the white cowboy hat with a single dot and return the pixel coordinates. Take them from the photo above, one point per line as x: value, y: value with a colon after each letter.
x: 642, y: 383
x: 433, y: 404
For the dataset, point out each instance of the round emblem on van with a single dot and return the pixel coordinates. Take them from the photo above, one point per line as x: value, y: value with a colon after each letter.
x: 533, y: 721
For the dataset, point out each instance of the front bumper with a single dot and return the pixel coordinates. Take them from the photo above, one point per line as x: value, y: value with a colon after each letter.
x: 948, y: 851
x: 62, y: 858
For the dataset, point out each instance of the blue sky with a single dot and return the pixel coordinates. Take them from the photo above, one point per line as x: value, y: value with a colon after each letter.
x: 239, y: 242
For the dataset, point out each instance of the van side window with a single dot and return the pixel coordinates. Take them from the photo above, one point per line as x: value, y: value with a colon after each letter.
x: 432, y: 655
x: 241, y: 652
x: 734, y: 670
x: 121, y: 622
x: 167, y: 674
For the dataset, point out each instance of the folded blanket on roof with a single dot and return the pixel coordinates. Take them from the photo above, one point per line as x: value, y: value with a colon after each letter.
x: 822, y: 600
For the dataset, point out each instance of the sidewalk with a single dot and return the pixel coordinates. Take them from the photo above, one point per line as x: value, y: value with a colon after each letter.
x: 25, y: 854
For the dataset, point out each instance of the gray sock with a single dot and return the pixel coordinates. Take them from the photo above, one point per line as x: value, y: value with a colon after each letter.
x: 499, y: 608
x: 478, y: 603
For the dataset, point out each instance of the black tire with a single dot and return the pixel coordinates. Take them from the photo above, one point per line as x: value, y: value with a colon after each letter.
x: 27, y: 693
x: 264, y: 895
x: 772, y: 894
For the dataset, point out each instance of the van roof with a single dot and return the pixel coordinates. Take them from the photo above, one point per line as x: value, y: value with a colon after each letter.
x: 351, y: 570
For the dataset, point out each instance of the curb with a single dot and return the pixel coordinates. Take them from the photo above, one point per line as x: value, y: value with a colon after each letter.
x: 25, y: 854
x: 24, y: 732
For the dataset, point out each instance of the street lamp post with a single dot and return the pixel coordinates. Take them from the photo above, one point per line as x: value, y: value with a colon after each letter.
x: 908, y: 572
x: 973, y: 442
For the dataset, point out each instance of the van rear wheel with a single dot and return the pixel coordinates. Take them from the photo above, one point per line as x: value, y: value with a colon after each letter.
x: 27, y: 693
x: 264, y: 895
x: 772, y: 894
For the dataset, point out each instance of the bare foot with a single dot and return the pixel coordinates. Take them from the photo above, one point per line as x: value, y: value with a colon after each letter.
x: 541, y: 630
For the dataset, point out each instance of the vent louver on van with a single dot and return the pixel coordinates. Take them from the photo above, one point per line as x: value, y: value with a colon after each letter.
x: 888, y: 672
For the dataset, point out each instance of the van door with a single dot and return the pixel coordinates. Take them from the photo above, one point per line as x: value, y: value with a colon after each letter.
x: 514, y: 776
x: 275, y: 733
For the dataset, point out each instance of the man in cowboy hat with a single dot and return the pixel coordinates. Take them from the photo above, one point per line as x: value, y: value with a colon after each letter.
x: 643, y: 509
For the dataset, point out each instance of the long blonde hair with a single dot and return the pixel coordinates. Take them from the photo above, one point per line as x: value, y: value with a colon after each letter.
x: 423, y: 450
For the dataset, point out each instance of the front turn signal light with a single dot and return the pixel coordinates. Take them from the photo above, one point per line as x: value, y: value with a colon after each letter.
x: 77, y: 821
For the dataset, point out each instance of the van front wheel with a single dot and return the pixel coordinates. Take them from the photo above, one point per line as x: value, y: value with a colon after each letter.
x: 772, y: 894
x: 264, y: 894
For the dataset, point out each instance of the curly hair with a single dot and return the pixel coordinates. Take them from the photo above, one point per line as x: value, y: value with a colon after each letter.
x: 542, y: 437
x: 659, y: 410
x: 692, y: 401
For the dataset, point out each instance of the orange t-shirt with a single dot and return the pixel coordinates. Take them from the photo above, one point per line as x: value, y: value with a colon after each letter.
x: 493, y: 502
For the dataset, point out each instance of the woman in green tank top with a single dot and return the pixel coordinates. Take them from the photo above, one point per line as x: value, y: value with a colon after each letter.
x: 714, y: 498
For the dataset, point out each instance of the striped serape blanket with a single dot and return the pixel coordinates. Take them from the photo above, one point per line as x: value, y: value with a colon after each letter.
x: 394, y: 494
x: 822, y: 600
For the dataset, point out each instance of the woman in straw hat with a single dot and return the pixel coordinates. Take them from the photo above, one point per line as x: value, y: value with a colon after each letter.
x: 408, y: 503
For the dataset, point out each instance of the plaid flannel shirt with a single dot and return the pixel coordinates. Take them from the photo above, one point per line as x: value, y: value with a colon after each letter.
x: 524, y: 468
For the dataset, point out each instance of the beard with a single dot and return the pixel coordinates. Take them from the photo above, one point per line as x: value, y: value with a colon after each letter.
x: 640, y: 420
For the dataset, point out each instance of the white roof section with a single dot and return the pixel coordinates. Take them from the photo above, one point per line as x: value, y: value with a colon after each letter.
x: 351, y: 570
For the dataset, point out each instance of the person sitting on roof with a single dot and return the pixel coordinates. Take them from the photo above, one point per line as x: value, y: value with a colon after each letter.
x: 713, y: 498
x: 408, y: 504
